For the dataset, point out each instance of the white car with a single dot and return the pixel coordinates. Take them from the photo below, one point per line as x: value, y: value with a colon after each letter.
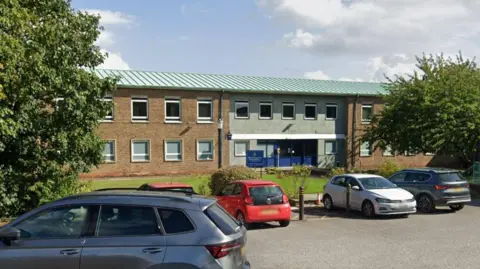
x: 371, y: 194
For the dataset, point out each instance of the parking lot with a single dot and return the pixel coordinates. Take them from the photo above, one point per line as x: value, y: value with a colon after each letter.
x: 439, y: 240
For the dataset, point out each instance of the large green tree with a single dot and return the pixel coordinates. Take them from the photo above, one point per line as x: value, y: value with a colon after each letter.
x: 46, y: 51
x: 437, y: 109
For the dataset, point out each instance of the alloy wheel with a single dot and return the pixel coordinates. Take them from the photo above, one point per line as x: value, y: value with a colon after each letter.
x: 425, y: 204
x: 368, y: 209
x: 327, y: 203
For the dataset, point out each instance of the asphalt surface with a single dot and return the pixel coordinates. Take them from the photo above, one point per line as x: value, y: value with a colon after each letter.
x: 439, y: 240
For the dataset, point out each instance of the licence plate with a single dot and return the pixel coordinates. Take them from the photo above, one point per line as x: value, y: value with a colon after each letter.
x: 268, y: 212
x: 242, y: 251
x: 457, y: 189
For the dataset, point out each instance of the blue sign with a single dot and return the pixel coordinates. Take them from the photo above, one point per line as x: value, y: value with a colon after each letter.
x: 255, y: 158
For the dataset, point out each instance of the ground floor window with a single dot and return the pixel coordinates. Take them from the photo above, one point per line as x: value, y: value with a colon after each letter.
x: 388, y: 151
x: 173, y: 150
x: 330, y: 147
x: 140, y: 150
x: 240, y: 148
x: 365, y: 149
x: 205, y: 150
x: 109, y: 151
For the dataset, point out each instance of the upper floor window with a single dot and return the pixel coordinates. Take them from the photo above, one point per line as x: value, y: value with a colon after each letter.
x: 241, y: 110
x: 205, y: 110
x: 288, y: 110
x: 331, y: 111
x: 367, y: 112
x: 127, y: 221
x: 310, y: 111
x: 109, y: 151
x: 109, y: 99
x: 265, y: 110
x: 140, y: 108
x: 173, y: 109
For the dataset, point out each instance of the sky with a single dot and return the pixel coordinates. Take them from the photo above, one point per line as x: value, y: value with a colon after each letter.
x: 353, y: 40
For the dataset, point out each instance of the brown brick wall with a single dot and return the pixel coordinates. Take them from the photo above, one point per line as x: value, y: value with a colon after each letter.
x: 123, y: 130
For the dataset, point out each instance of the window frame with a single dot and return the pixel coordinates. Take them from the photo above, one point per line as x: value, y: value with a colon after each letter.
x: 247, y: 145
x: 421, y: 173
x: 361, y: 113
x: 139, y: 99
x: 173, y: 100
x: 211, y: 141
x: 288, y: 103
x: 396, y: 174
x: 204, y: 119
x: 429, y: 154
x: 370, y: 150
x: 305, y: 111
x: 240, y: 102
x: 162, y: 227
x: 132, y: 153
x: 325, y: 147
x: 114, y: 151
x: 327, y: 105
x: 384, y: 152
x: 265, y: 103
x: 109, y: 98
x: 165, y: 147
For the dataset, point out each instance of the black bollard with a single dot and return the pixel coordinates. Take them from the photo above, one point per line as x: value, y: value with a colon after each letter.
x: 301, y: 206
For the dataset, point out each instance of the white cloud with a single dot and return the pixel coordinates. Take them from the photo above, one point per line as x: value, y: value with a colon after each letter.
x: 108, y: 17
x: 316, y: 75
x: 114, y: 61
x: 105, y: 39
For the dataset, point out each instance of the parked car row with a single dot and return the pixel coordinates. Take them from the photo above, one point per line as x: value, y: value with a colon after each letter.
x: 401, y: 194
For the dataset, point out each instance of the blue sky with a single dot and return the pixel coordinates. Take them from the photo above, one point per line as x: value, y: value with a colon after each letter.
x: 321, y: 39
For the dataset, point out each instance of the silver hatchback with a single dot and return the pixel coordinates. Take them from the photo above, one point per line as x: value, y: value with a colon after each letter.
x: 125, y: 229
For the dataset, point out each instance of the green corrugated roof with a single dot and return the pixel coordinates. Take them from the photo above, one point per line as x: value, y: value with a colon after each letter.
x: 233, y: 83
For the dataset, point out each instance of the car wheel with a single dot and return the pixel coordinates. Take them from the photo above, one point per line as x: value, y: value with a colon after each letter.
x: 284, y: 223
x: 241, y: 219
x: 425, y: 203
x: 327, y: 202
x: 457, y: 207
x: 368, y: 210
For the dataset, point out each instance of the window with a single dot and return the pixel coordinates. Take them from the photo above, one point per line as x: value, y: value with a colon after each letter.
x: 237, y: 189
x: 241, y: 148
x: 140, y: 150
x: 417, y: 177
x: 173, y: 109
x: 340, y: 181
x: 331, y: 111
x: 409, y: 153
x: 330, y: 147
x: 204, y: 150
x: 388, y: 151
x: 365, y: 149
x: 288, y: 111
x: 265, y: 110
x: 109, y: 99
x: 352, y: 182
x: 224, y: 221
x: 241, y: 110
x: 227, y: 190
x: 205, y: 110
x: 59, y: 222
x: 139, y: 108
x: 173, y: 150
x: 59, y: 102
x: 398, y: 178
x: 127, y: 221
x: 310, y: 112
x: 429, y: 153
x: 175, y: 221
x: 109, y: 151
x: 367, y: 113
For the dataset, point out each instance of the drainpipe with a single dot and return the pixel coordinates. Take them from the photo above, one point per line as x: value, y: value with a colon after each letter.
x: 220, y: 131
x: 354, y: 125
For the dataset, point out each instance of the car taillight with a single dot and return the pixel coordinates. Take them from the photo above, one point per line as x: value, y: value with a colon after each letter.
x: 467, y: 186
x: 220, y: 251
x: 249, y: 200
x: 285, y: 199
x: 441, y: 187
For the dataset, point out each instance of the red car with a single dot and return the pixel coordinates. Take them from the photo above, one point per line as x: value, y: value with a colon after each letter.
x: 253, y: 201
x: 168, y: 186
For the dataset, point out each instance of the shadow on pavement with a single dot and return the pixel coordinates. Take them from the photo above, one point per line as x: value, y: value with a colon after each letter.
x: 438, y: 211
x: 262, y: 226
x: 319, y: 212
x: 475, y: 202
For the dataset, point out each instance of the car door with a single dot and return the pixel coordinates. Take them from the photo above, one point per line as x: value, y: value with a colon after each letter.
x: 126, y: 236
x: 224, y: 198
x: 337, y: 191
x: 53, y: 238
x: 356, y: 197
x: 415, y: 182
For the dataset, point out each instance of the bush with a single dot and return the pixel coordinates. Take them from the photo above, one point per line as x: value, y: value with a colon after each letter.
x: 273, y: 170
x: 388, y: 168
x: 224, y: 176
x: 336, y: 171
x: 299, y: 177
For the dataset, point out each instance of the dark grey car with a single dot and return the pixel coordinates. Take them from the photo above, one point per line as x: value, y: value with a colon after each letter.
x: 125, y: 229
x: 434, y: 187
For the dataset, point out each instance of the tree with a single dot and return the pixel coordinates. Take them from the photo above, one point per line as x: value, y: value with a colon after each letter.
x: 46, y: 52
x: 437, y: 109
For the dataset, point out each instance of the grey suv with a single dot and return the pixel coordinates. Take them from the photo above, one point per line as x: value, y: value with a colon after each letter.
x: 434, y: 187
x: 125, y: 229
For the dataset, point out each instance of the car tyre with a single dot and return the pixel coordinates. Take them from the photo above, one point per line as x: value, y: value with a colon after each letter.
x: 241, y: 218
x: 327, y: 202
x: 368, y: 209
x: 425, y: 204
x: 284, y: 223
x: 457, y: 207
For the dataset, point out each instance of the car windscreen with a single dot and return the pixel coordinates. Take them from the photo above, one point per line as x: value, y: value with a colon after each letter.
x: 450, y: 177
x: 226, y: 223
x: 372, y: 183
x: 265, y: 191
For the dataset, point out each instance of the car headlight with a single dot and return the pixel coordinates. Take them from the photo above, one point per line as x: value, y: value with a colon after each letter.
x: 382, y: 200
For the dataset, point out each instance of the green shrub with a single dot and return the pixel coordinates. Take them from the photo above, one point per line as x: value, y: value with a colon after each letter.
x: 301, y: 171
x: 336, y: 171
x: 388, y: 168
x: 203, y: 189
x: 224, y: 176
x: 273, y: 170
x: 299, y: 177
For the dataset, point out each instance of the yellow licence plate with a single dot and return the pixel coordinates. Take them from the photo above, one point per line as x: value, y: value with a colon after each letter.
x: 457, y: 189
x: 242, y: 251
x: 269, y: 212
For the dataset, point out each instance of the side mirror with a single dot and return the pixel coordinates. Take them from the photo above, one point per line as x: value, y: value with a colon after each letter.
x: 10, y: 234
x: 357, y: 188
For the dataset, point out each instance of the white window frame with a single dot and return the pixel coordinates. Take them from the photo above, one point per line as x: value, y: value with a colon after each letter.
x: 205, y: 119
x: 325, y: 147
x: 138, y: 99
x: 173, y: 100
x: 248, y: 109
x: 326, y: 109
x: 361, y: 112
x: 362, y: 153
x: 236, y: 154
x: 166, y: 154
x: 109, y: 98
x: 408, y: 153
x: 211, y: 153
x: 284, y: 104
x: 132, y: 153
x: 305, y: 112
x: 387, y: 152
x: 429, y: 154
x: 265, y: 103
x: 110, y: 155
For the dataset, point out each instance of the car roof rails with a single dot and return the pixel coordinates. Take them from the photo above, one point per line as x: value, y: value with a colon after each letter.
x: 118, y: 189
x: 152, y: 190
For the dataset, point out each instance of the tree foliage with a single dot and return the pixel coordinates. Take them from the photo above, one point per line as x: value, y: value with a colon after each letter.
x: 437, y: 109
x: 46, y: 51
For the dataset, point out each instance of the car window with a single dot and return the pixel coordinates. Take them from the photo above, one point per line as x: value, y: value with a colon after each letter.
x: 224, y: 221
x: 450, y: 177
x: 352, y: 182
x: 175, y: 221
x: 237, y: 189
x: 340, y: 181
x: 398, y: 178
x: 417, y: 177
x: 227, y: 190
x: 59, y: 222
x: 127, y: 221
